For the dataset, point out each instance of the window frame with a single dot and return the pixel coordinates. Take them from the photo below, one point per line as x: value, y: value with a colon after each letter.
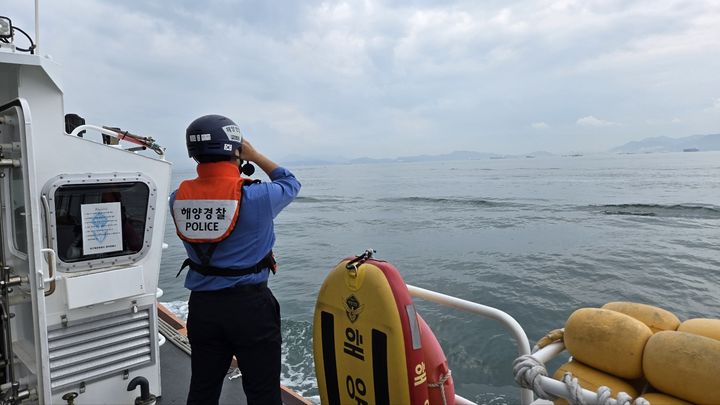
x: 10, y: 225
x: 92, y: 179
x: 17, y: 228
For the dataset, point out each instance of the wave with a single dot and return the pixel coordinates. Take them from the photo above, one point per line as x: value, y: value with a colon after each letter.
x: 448, y: 201
x: 298, y: 369
x: 179, y: 308
x: 319, y: 200
x: 696, y: 211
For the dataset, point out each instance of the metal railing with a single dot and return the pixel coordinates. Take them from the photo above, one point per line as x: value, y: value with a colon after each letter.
x: 553, y: 386
x: 507, y: 321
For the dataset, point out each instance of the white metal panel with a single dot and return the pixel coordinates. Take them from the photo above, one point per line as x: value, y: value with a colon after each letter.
x: 90, y: 289
x: 34, y: 237
x: 49, y: 152
x: 98, y: 348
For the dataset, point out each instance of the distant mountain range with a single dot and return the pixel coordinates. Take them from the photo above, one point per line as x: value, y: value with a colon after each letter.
x: 648, y: 145
x: 665, y: 144
x: 452, y: 156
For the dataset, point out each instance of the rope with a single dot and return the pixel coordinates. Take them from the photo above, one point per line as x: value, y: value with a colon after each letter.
x: 234, y: 373
x: 441, y: 384
x: 555, y: 335
x: 574, y: 389
x: 527, y: 371
x: 603, y: 394
x: 173, y: 336
x: 360, y: 259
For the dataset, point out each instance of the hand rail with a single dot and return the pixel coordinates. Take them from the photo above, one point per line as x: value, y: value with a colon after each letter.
x: 52, y: 265
x: 120, y: 135
x: 507, y: 321
x: 463, y: 401
x: 102, y: 130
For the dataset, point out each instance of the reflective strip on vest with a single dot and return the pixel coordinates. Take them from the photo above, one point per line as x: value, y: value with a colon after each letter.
x: 204, y: 220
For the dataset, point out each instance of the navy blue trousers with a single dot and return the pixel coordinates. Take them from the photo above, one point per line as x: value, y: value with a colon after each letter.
x: 236, y: 322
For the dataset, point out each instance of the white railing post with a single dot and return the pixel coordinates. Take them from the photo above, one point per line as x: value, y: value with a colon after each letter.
x: 507, y: 321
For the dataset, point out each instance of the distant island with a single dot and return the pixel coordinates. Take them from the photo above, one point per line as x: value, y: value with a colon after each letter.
x: 693, y: 143
x: 452, y: 156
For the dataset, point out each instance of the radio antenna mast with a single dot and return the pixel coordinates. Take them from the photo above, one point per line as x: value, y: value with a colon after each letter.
x: 37, y: 27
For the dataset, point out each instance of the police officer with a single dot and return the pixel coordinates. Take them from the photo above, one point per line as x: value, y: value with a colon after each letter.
x: 226, y: 224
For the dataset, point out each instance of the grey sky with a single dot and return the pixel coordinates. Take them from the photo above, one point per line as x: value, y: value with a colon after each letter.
x: 389, y: 78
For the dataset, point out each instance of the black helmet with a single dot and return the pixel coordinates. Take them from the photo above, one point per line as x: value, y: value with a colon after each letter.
x: 213, y: 135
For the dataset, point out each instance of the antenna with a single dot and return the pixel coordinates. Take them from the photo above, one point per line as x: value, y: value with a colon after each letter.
x: 37, y: 26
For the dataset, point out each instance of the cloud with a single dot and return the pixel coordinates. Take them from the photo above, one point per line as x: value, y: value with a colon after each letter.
x: 675, y: 120
x: 591, y: 121
x: 333, y: 76
x: 716, y: 105
x: 690, y: 32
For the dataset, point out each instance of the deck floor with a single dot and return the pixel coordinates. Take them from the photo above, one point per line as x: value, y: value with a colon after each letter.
x: 175, y: 377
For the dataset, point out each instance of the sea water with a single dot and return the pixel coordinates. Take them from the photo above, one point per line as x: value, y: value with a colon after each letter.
x: 536, y: 238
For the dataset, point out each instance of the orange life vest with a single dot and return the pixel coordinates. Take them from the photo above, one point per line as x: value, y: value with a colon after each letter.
x: 206, y: 210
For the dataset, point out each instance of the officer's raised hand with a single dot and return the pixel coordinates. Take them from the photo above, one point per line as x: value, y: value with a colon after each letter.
x: 249, y: 153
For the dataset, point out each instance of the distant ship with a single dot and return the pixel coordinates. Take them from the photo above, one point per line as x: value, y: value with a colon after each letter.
x: 691, y: 150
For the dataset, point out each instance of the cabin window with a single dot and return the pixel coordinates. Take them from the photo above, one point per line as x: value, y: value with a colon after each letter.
x: 99, y: 221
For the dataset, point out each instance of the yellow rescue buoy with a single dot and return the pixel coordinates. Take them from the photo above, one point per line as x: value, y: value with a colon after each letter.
x: 607, y: 340
x: 367, y: 342
x: 591, y: 379
x: 656, y: 398
x: 684, y: 365
x: 702, y: 326
x: 655, y: 318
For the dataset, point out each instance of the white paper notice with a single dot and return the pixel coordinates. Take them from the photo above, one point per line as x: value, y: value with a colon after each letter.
x: 101, y: 228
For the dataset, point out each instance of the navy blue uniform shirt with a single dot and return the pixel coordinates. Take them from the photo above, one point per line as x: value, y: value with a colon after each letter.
x: 253, y: 236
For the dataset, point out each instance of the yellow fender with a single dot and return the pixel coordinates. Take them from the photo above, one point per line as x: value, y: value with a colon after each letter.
x: 684, y: 365
x: 655, y: 318
x: 702, y: 326
x: 607, y: 340
x: 656, y: 398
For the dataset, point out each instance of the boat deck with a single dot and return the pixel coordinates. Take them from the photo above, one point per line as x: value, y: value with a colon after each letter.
x: 175, y: 368
x: 175, y: 372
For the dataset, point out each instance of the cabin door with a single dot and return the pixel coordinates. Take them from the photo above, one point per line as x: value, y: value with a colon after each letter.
x: 23, y: 270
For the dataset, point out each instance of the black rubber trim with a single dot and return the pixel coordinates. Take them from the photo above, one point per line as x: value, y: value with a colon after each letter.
x: 380, y: 367
x: 327, y: 328
x: 15, y: 103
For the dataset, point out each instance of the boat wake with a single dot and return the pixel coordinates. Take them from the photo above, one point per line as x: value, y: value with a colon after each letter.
x: 179, y: 308
x: 298, y: 369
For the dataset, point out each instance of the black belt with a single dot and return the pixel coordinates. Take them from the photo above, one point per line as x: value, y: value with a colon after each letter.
x: 248, y: 287
x: 237, y: 288
x: 267, y: 262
